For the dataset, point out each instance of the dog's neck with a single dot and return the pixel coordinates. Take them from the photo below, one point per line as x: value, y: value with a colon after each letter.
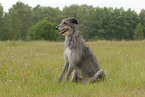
x: 74, y: 40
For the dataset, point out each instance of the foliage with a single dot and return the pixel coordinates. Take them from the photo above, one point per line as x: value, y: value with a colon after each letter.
x: 21, y: 16
x: 94, y: 22
x: 1, y: 23
x: 53, y: 14
x: 43, y: 30
x: 138, y: 33
x: 32, y: 69
x: 142, y: 20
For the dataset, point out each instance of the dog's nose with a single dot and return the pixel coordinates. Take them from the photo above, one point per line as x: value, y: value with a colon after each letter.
x: 57, y: 28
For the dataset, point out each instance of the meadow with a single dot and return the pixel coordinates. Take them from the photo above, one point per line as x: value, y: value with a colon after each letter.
x: 31, y: 69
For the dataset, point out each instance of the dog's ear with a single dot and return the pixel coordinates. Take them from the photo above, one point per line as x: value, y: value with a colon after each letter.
x: 73, y: 20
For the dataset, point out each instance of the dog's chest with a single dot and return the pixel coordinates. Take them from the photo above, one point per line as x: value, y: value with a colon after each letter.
x: 67, y: 53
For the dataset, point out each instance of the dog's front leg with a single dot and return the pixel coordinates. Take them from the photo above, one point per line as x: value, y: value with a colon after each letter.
x: 74, y: 76
x: 65, y: 68
x: 70, y: 69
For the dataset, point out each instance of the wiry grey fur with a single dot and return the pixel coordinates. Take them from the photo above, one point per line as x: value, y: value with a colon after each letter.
x: 78, y: 57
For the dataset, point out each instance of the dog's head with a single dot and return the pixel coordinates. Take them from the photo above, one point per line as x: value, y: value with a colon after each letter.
x: 66, y: 26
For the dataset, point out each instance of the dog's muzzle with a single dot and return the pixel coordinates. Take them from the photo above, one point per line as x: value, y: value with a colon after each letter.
x: 62, y: 31
x: 57, y: 28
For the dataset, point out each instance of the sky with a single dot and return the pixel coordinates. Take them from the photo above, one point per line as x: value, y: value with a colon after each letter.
x: 136, y: 5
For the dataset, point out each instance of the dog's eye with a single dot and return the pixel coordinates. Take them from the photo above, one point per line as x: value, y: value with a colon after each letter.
x: 65, y: 22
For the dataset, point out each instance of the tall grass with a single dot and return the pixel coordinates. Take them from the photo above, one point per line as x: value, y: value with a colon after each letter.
x: 32, y: 69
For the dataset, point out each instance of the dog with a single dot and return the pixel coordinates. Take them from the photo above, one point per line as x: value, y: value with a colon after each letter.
x: 79, y: 59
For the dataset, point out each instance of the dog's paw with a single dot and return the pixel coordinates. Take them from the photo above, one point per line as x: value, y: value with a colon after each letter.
x: 60, y: 79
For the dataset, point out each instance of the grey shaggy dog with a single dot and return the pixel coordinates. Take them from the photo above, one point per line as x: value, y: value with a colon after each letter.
x: 79, y: 59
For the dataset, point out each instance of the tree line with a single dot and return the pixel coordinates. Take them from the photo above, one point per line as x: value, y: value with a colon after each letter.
x: 23, y: 22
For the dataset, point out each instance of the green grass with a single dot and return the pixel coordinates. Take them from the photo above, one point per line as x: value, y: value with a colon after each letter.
x: 32, y: 69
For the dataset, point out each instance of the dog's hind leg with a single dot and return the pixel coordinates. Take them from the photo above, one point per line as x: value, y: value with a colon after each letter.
x: 98, y: 76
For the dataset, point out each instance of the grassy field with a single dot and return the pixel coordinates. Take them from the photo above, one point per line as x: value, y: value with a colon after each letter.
x: 31, y: 69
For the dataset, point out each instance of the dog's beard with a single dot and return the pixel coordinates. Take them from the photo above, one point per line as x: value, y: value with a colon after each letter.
x: 65, y: 34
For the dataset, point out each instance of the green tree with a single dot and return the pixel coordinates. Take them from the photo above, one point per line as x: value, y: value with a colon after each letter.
x: 107, y: 23
x: 20, y: 16
x: 1, y: 14
x: 142, y: 19
x: 54, y: 15
x: 4, y: 35
x: 138, y: 32
x: 71, y: 11
x: 94, y: 22
x: 1, y: 22
x: 43, y: 30
x: 131, y: 20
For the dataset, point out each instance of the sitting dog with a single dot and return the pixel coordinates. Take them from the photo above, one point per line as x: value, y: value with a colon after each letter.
x: 79, y: 59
